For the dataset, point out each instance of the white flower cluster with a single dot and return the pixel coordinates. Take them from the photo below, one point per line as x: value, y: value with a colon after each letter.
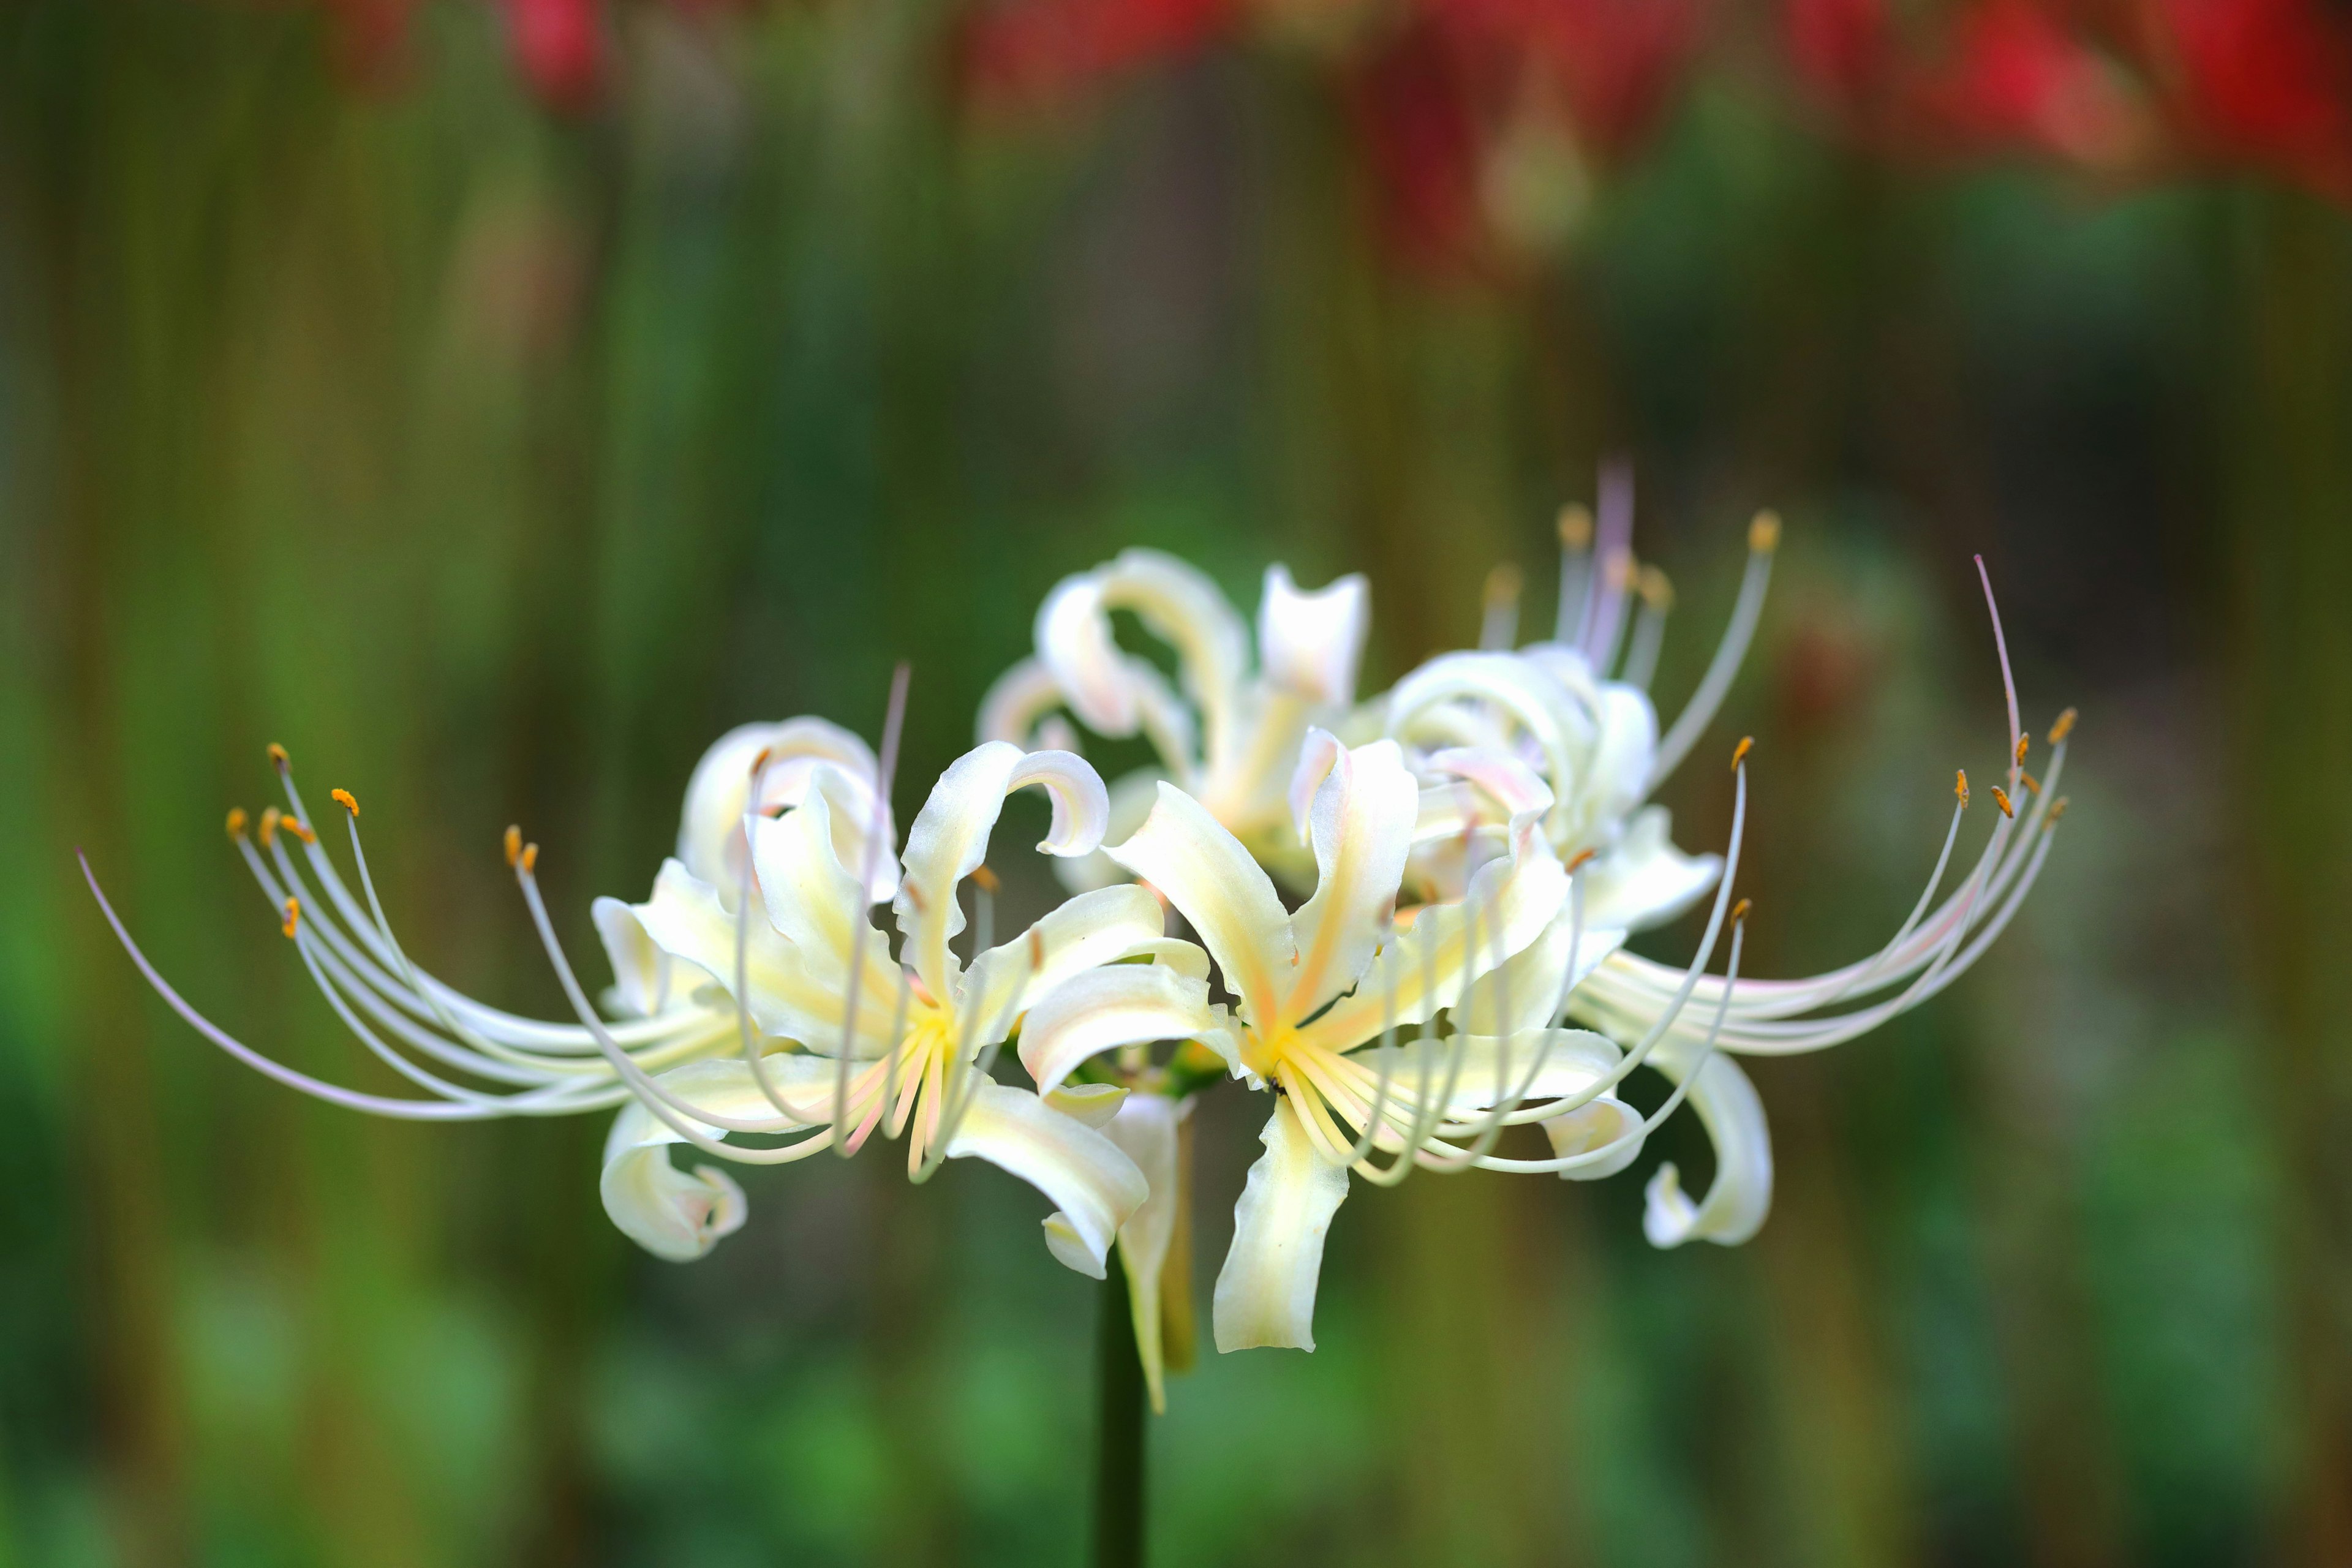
x: 1464, y: 856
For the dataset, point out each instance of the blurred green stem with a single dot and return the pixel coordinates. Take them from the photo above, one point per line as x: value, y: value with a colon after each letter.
x: 1118, y: 1430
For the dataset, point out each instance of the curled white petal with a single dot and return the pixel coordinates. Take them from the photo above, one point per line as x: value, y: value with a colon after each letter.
x: 1102, y: 1009
x: 1081, y: 804
x: 710, y: 834
x: 1265, y: 1292
x: 1741, y: 1193
x: 1094, y: 1185
x: 1310, y: 643
x: 1318, y: 755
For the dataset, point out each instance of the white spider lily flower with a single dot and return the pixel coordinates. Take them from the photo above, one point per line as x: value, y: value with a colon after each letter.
x: 907, y: 1045
x: 1575, y: 712
x: 1320, y: 997
x: 1231, y: 739
x: 747, y: 977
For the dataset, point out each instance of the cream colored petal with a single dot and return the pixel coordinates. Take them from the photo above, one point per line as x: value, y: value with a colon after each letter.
x: 1095, y: 1104
x: 1311, y: 644
x: 710, y: 836
x: 1017, y: 704
x: 1509, y: 904
x: 1131, y: 796
x: 686, y: 922
x: 1509, y: 784
x: 681, y: 1214
x: 1644, y: 880
x: 1618, y: 772
x: 1318, y: 755
x: 1088, y: 930
x: 1560, y: 728
x: 1605, y: 1122
x: 1484, y: 1070
x: 642, y: 980
x: 1527, y: 992
x: 1145, y: 1130
x: 1094, y: 1185
x: 1266, y: 1292
x: 1741, y: 1194
x: 1102, y: 1009
x: 1361, y: 828
x: 810, y: 895
x: 1176, y: 604
x: 1204, y: 871
x: 950, y: 840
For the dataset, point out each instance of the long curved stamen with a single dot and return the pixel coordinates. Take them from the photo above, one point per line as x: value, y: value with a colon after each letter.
x: 351, y: 1100
x: 1763, y: 540
x: 1425, y: 1118
x: 1498, y: 628
x: 1362, y: 1146
x: 1575, y: 572
x: 679, y: 1116
x: 1657, y: 596
x: 893, y: 722
x: 340, y: 968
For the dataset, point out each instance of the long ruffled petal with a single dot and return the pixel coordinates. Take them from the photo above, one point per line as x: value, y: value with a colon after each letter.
x: 1742, y: 1195
x: 711, y: 834
x: 1094, y: 1186
x: 950, y: 840
x: 1125, y: 1004
x: 1204, y: 871
x: 1361, y: 828
x: 1310, y: 643
x: 1266, y: 1292
x: 1176, y: 604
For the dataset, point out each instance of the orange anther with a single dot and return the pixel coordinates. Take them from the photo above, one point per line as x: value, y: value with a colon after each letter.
x: 1578, y: 858
x: 986, y: 879
x: 277, y: 756
x: 2000, y: 799
x: 1503, y: 586
x: 298, y: 828
x: 1764, y: 533
x: 1657, y: 590
x: 293, y: 918
x: 1961, y: 789
x: 2057, y: 810
x: 1575, y: 527
x: 2063, y: 728
x: 2029, y: 782
x: 513, y: 843
x: 1739, y: 911
x: 237, y: 822
x: 529, y: 859
x: 269, y: 818
x: 1739, y: 753
x: 343, y: 797
x: 1036, y: 950
x: 2022, y: 742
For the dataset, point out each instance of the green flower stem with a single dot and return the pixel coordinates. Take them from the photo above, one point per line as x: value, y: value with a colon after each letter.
x: 1118, y: 1436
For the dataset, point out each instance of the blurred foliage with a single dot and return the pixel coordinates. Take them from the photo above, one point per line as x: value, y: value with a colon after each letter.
x: 494, y: 463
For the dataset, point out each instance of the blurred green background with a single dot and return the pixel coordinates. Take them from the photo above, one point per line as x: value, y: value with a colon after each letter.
x: 495, y: 460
